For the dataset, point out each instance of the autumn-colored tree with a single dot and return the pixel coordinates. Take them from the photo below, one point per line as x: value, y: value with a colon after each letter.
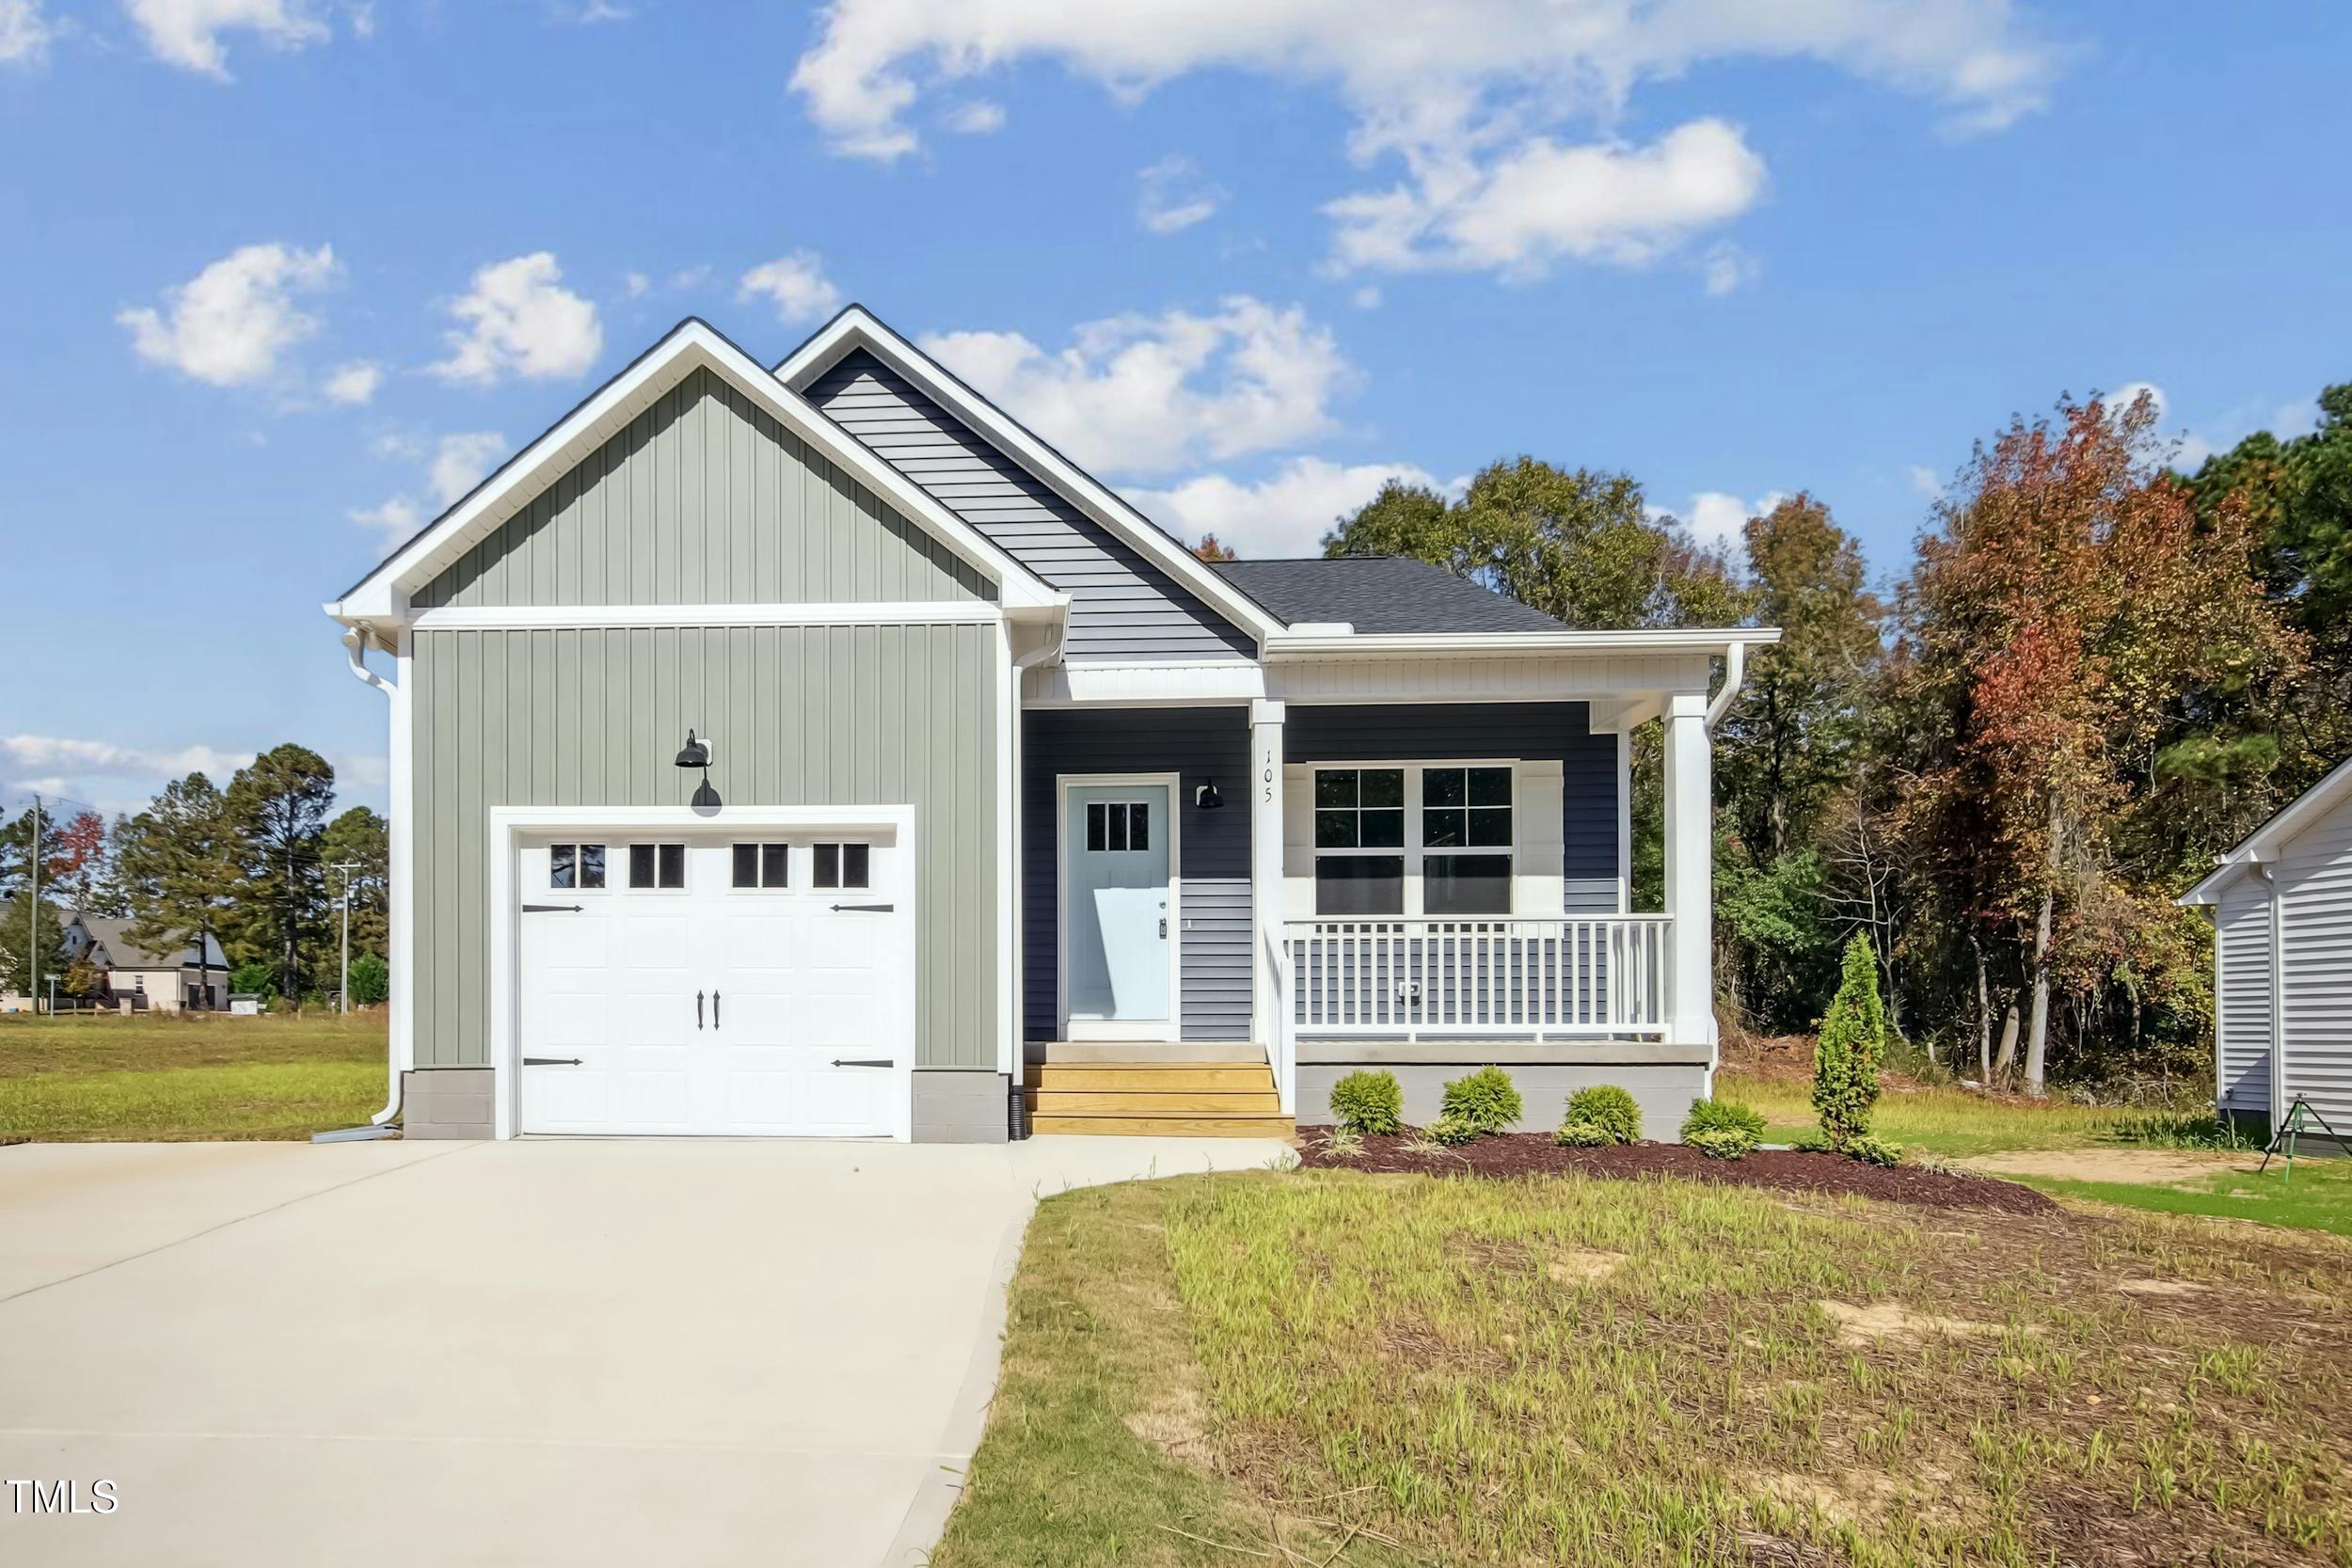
x: 2065, y: 615
x: 79, y: 869
x: 1209, y: 549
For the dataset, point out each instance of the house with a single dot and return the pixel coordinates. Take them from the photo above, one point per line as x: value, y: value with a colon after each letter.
x: 814, y: 751
x: 170, y: 981
x: 2281, y: 909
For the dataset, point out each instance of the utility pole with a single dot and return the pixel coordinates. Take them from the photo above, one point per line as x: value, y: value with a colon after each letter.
x: 346, y: 867
x: 32, y: 917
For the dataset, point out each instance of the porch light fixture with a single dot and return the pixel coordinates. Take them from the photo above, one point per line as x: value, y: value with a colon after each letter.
x: 696, y: 754
x: 1205, y: 796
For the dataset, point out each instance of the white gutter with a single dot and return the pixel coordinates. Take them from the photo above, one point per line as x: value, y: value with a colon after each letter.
x: 1735, y: 668
x: 355, y: 649
x: 1308, y: 643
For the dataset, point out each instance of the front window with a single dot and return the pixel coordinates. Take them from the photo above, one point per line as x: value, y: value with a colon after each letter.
x: 1435, y: 841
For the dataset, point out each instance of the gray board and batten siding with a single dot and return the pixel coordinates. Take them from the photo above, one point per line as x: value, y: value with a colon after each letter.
x: 820, y: 715
x: 1529, y: 732
x: 704, y: 498
x: 1122, y: 605
x: 1199, y: 745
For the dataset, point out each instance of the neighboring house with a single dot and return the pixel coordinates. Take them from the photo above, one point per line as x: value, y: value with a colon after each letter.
x: 169, y: 981
x: 1011, y: 803
x: 2282, y: 906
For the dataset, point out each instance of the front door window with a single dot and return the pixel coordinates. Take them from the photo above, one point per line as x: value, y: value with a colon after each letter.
x: 1117, y: 919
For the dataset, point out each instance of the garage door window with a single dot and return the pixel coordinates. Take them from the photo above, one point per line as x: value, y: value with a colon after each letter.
x: 573, y: 867
x: 842, y: 864
x: 763, y: 865
x: 657, y: 865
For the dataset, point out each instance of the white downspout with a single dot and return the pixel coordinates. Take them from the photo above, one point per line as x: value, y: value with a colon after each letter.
x: 1021, y: 663
x: 2277, y: 994
x: 1735, y: 670
x: 355, y: 649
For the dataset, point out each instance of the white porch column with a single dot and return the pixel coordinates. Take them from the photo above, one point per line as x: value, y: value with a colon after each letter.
x: 1689, y: 873
x: 1265, y: 889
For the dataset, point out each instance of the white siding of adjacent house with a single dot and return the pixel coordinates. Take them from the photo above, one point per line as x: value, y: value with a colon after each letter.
x: 2242, y: 1062
x: 2314, y: 878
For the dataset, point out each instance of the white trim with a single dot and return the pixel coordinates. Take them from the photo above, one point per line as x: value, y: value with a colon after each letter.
x: 2263, y: 843
x: 692, y: 345
x: 1145, y: 683
x: 400, y: 1047
x: 1172, y: 1027
x: 508, y: 824
x: 857, y: 327
x: 566, y: 617
x: 1488, y: 645
x: 1269, y: 998
x: 1008, y: 858
x: 2277, y: 997
x: 1625, y: 822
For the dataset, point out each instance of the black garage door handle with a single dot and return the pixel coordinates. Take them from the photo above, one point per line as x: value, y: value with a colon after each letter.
x: 871, y: 908
x: 550, y: 1061
x: 864, y: 1061
x: 551, y: 908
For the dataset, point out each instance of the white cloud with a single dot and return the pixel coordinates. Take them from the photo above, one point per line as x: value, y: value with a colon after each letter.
x: 76, y: 760
x: 460, y: 462
x: 636, y: 284
x: 1366, y: 297
x: 1145, y: 394
x: 228, y: 326
x: 393, y: 520
x: 1728, y: 269
x: 1924, y: 480
x: 354, y: 384
x: 1542, y: 202
x: 1466, y: 95
x: 24, y: 33
x: 520, y: 319
x: 1717, y: 519
x: 974, y: 118
x: 1286, y: 514
x: 796, y: 284
x: 1174, y: 196
x: 187, y: 33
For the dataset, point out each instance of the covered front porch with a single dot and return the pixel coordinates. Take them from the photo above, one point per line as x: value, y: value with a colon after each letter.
x: 1415, y: 857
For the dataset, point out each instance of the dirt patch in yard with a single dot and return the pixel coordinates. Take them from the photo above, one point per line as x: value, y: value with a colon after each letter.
x: 2156, y: 1167
x: 1512, y: 1154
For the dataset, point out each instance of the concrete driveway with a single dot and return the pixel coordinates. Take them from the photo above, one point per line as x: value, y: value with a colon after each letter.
x: 644, y: 1352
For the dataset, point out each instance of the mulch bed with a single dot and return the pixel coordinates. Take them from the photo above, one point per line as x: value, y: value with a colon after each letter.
x: 1510, y: 1154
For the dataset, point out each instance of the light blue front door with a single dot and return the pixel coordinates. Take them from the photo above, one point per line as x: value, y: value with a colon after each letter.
x: 1115, y: 904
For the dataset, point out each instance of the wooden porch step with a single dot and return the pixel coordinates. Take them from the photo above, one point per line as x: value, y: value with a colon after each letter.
x: 1191, y: 1103
x: 1152, y: 1077
x: 1274, y: 1125
x: 1122, y: 1052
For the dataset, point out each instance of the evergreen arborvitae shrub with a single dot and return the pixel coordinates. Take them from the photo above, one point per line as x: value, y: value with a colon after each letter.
x: 1609, y: 1108
x: 1369, y: 1102
x: 1853, y: 1042
x: 1485, y: 1100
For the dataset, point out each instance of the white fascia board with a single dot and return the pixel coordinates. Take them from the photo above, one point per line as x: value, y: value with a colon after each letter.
x: 1134, y: 683
x: 693, y: 345
x: 857, y: 327
x: 563, y: 617
x: 1484, y: 644
x: 2261, y: 846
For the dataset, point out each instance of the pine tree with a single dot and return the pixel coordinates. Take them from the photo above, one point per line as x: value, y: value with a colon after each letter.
x: 1853, y: 1043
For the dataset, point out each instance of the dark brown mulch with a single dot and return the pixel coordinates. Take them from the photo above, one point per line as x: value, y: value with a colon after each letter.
x: 1510, y: 1154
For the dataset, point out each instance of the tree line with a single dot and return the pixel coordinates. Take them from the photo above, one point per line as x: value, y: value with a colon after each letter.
x: 262, y: 867
x: 2095, y: 675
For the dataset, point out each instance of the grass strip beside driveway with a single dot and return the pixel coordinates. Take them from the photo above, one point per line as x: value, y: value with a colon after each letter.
x: 274, y: 1100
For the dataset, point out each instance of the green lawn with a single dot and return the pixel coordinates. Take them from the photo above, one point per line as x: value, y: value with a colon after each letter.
x: 158, y: 1076
x: 1324, y: 1367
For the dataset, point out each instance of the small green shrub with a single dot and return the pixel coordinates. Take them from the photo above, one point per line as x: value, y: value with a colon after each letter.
x: 1811, y: 1141
x: 1609, y: 1108
x: 1485, y: 1099
x: 1721, y: 1143
x: 1343, y: 1143
x: 1853, y: 1043
x: 1451, y: 1131
x: 1874, y: 1150
x: 1585, y: 1134
x: 1369, y: 1102
x: 1723, y: 1128
x: 371, y: 980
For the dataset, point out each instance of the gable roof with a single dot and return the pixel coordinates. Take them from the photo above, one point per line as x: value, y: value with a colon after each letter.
x: 693, y: 345
x: 2263, y: 844
x: 123, y: 953
x: 856, y: 328
x: 1380, y: 594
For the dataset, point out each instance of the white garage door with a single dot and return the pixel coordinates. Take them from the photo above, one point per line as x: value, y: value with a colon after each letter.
x: 751, y: 985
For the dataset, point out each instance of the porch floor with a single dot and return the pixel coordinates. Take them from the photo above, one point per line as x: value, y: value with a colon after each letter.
x: 1201, y: 1099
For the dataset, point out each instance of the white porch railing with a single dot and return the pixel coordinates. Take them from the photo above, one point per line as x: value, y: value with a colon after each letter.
x: 1578, y: 976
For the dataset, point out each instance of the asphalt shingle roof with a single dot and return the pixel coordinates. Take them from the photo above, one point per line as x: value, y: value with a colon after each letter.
x: 1379, y: 594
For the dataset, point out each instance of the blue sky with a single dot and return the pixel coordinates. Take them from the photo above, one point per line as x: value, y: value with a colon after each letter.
x: 286, y: 274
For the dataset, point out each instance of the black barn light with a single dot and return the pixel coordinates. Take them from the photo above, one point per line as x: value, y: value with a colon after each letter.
x: 1205, y: 796
x: 696, y: 754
